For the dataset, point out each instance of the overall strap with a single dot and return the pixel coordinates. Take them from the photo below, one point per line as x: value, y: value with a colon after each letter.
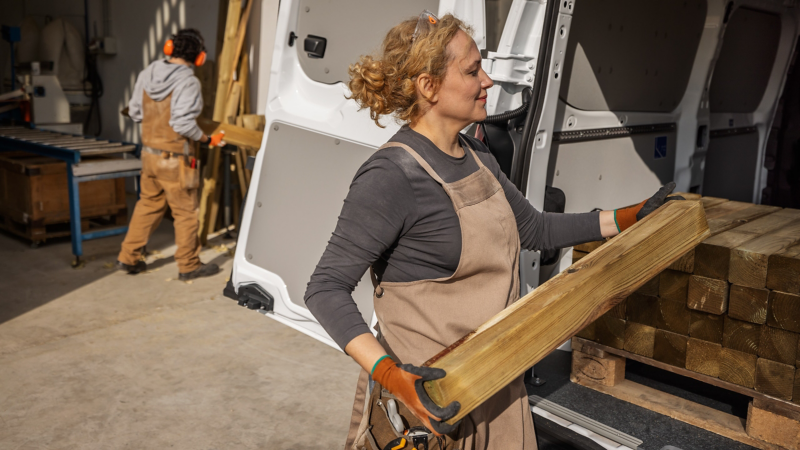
x: 474, y: 155
x: 427, y: 167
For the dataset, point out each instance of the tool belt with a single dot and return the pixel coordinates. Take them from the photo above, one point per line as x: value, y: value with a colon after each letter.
x: 387, y: 415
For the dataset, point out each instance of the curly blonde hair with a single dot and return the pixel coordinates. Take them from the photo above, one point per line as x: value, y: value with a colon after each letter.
x: 384, y: 83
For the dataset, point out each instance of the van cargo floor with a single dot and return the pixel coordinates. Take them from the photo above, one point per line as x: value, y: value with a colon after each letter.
x: 655, y: 430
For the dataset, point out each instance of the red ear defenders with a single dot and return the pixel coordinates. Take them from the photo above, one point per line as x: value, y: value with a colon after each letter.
x: 169, y: 47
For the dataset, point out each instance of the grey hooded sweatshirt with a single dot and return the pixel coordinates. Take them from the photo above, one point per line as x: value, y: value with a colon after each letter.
x: 160, y: 79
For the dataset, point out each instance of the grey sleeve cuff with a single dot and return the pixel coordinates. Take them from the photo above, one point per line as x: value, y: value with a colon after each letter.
x: 338, y: 315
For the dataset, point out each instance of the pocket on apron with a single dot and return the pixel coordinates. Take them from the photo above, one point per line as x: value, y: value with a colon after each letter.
x: 188, y: 176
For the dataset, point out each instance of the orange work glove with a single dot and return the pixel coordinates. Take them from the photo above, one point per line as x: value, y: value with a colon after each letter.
x: 405, y: 382
x: 626, y: 217
x: 215, y: 140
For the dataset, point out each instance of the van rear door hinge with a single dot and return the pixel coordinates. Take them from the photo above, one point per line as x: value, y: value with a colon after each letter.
x: 509, y: 68
x: 253, y: 296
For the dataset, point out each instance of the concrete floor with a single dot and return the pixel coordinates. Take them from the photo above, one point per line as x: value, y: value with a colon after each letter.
x: 92, y: 358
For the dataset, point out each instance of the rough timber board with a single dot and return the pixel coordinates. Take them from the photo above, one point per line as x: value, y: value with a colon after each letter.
x: 748, y: 263
x: 783, y: 270
x: 500, y: 350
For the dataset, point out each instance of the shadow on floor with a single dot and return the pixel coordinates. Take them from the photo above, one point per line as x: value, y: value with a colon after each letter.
x: 48, y: 274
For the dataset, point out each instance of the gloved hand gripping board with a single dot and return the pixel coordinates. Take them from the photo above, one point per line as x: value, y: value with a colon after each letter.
x: 489, y: 358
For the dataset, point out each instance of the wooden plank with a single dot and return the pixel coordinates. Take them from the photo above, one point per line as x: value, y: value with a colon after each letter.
x: 773, y: 428
x: 741, y: 336
x: 748, y: 264
x: 241, y: 33
x: 709, y: 202
x: 677, y: 408
x: 783, y: 311
x: 712, y: 256
x: 708, y: 294
x: 673, y: 285
x: 501, y: 349
x: 783, y: 270
x: 618, y: 311
x: 778, y: 345
x: 576, y: 256
x: 748, y: 304
x: 227, y: 59
x: 777, y: 407
x: 774, y: 379
x: 737, y: 367
x: 609, y: 330
x: 703, y: 357
x: 607, y: 371
x: 670, y: 348
x: 233, y: 135
x: 673, y: 316
x: 639, y: 339
x: 589, y: 247
x: 727, y: 218
x: 708, y: 327
x: 642, y: 309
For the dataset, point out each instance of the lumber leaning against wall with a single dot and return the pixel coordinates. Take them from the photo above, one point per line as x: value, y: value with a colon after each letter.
x: 483, y: 362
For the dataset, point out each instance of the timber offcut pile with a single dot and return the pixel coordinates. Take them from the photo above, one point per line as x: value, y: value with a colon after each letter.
x: 727, y: 311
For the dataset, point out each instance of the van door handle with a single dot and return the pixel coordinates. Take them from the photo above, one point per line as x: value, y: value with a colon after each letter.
x: 314, y: 46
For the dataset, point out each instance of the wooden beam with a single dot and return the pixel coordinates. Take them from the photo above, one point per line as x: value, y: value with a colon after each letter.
x: 673, y: 285
x: 703, y: 357
x: 673, y: 316
x: 608, y: 370
x: 651, y: 287
x: 748, y: 266
x: 642, y: 309
x: 774, y: 379
x: 741, y: 336
x: 226, y: 58
x: 499, y: 351
x: 670, y: 348
x: 610, y: 331
x: 778, y: 345
x: 708, y: 294
x: 708, y: 327
x: 783, y: 311
x: 748, y: 304
x: 731, y: 215
x: 234, y: 135
x: 783, y: 270
x: 774, y: 428
x: 737, y: 367
x: 639, y: 339
x: 712, y: 257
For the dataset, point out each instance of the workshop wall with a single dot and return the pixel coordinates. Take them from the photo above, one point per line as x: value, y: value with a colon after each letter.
x: 140, y: 29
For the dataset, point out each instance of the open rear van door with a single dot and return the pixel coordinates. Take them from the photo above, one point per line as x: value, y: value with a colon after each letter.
x: 315, y: 140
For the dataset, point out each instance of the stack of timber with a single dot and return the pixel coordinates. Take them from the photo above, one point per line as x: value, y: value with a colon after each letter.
x: 230, y: 113
x: 726, y: 313
x: 34, y: 203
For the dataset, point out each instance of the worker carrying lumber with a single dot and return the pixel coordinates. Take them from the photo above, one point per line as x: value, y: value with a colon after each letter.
x: 167, y: 101
x: 440, y: 227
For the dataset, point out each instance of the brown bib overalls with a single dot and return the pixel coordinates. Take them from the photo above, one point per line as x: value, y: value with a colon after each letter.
x: 419, y: 319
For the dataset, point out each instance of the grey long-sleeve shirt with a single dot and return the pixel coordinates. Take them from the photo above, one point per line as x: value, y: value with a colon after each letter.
x: 400, y: 220
x: 162, y: 78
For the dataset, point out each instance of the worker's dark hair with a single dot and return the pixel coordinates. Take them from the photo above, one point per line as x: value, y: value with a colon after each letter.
x: 188, y: 44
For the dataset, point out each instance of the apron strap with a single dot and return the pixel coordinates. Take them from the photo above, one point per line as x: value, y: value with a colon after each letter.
x: 427, y: 167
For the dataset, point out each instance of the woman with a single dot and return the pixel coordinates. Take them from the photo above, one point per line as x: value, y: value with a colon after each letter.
x: 440, y: 227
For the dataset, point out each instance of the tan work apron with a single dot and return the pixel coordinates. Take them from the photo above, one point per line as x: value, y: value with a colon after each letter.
x: 419, y: 319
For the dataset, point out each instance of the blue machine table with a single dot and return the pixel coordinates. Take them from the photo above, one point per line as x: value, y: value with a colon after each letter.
x: 87, y: 159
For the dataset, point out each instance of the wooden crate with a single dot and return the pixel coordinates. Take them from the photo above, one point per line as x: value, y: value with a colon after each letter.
x: 34, y: 197
x: 771, y: 423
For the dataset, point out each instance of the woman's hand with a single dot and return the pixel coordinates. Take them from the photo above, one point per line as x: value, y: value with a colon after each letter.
x: 405, y: 381
x: 614, y: 222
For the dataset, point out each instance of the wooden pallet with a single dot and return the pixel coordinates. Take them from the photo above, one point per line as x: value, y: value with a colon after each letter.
x: 771, y: 423
x: 40, y: 232
x: 34, y: 200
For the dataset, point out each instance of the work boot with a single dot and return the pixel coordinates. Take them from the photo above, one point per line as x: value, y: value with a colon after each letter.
x: 140, y: 266
x: 205, y: 270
